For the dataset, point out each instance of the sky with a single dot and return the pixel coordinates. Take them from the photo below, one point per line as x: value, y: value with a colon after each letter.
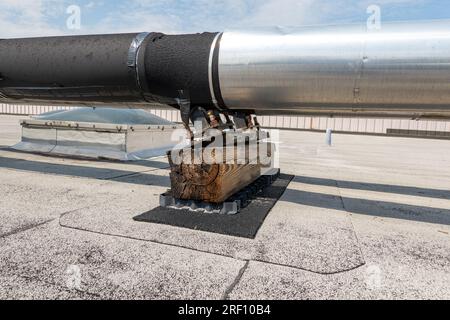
x: 29, y: 18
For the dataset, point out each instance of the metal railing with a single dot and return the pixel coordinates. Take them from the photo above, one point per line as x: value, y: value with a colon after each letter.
x: 351, y: 125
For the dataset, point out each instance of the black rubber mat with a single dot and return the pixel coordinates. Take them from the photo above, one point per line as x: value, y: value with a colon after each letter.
x: 245, y: 224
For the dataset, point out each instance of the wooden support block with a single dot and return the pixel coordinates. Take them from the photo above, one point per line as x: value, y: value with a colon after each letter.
x: 230, y: 170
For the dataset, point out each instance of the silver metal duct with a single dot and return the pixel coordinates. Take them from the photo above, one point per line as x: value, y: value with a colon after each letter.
x: 404, y: 68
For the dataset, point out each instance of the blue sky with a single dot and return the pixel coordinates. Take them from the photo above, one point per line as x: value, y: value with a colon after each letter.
x: 22, y: 18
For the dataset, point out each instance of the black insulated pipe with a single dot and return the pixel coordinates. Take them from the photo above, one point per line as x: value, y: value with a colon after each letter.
x: 78, y: 69
x: 124, y: 69
x: 179, y: 62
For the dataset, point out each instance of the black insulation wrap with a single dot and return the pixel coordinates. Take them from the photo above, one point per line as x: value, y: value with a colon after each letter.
x: 69, y: 69
x: 120, y: 69
x: 180, y: 62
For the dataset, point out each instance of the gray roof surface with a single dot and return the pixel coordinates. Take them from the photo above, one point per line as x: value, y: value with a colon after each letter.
x: 368, y: 218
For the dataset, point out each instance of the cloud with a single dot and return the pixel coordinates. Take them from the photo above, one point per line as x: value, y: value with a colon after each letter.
x: 47, y: 17
x: 24, y: 18
x: 216, y: 15
x: 282, y: 12
x: 90, y: 5
x: 134, y: 22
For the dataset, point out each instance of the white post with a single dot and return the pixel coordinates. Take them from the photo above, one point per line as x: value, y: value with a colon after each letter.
x: 329, y: 137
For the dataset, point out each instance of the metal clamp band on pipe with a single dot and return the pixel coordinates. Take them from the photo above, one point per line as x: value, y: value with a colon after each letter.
x: 134, y: 48
x: 210, y: 71
x: 133, y: 54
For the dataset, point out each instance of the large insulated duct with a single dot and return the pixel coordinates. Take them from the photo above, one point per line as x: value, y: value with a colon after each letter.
x: 124, y: 69
x: 403, y: 69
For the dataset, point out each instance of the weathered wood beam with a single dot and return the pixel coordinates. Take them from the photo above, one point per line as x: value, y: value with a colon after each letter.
x: 219, y: 173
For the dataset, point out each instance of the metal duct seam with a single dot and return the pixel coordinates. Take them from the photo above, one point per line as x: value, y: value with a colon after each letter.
x: 217, y: 93
x: 135, y: 45
x: 210, y: 71
x: 133, y: 55
x: 143, y: 40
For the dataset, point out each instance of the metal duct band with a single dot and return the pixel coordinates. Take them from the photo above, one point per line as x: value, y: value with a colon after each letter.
x: 216, y: 93
x: 133, y: 53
